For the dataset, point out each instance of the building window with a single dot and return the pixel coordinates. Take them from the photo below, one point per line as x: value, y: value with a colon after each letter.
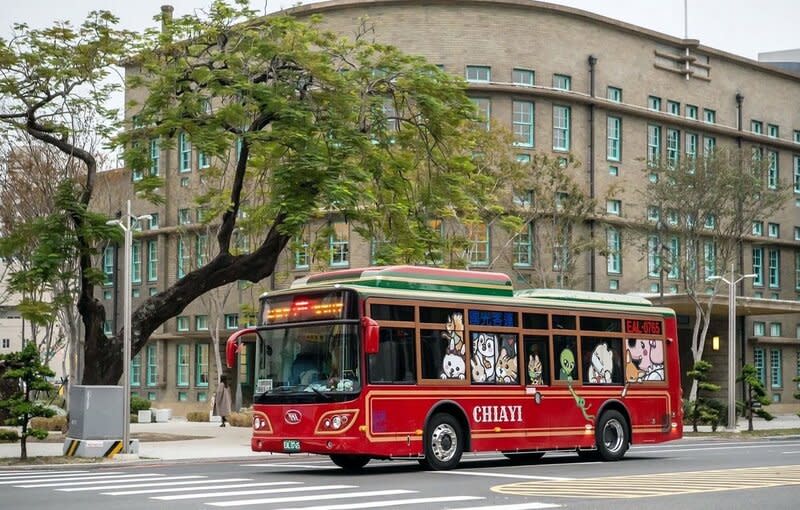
x: 773, y: 230
x: 772, y: 171
x: 231, y: 321
x: 562, y: 82
x: 653, y: 256
x: 153, y: 221
x: 201, y: 365
x: 709, y: 144
x: 184, y: 153
x: 758, y: 362
x: 691, y: 146
x: 152, y: 260
x: 182, y: 323
x: 774, y: 268
x: 614, y: 207
x: 772, y: 130
x: 155, y: 156
x: 797, y: 174
x: 758, y: 228
x: 152, y: 365
x: 184, y: 182
x: 613, y: 284
x: 203, y: 161
x: 674, y: 258
x: 797, y: 272
x: 522, y: 77
x: 201, y: 322
x: 614, y: 94
x: 107, y: 294
x: 182, y: 255
x: 691, y: 112
x: 614, y: 259
x: 182, y: 364
x: 709, y: 258
x: 776, y: 369
x: 523, y: 123
x: 201, y: 249
x: 613, y: 170
x: 6, y: 343
x: 108, y: 265
x: 654, y: 103
x: 301, y: 255
x: 561, y: 128
x: 136, y: 370
x: 479, y: 73
x: 797, y: 233
x: 136, y: 262
x: 108, y: 327
x: 673, y: 147
x: 653, y: 144
x: 478, y: 237
x: 673, y: 107
x: 758, y: 267
x: 759, y: 329
x: 775, y: 329
x: 339, y: 244
x: 757, y: 127
x: 709, y: 116
x: 653, y: 213
x: 483, y: 109
x: 614, y: 134
x: 523, y: 247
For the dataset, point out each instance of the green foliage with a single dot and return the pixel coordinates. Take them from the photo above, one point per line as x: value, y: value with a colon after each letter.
x: 8, y: 436
x: 27, y: 370
x: 755, y: 396
x: 197, y: 416
x: 53, y: 424
x: 139, y: 404
x: 703, y: 410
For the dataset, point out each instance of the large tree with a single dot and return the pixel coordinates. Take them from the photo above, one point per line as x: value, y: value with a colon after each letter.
x: 698, y: 212
x: 296, y: 123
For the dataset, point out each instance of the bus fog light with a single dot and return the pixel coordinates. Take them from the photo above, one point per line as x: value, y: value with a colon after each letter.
x: 327, y: 424
x: 336, y: 422
x: 329, y: 444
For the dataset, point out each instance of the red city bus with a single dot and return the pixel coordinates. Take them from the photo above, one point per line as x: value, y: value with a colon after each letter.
x: 426, y: 363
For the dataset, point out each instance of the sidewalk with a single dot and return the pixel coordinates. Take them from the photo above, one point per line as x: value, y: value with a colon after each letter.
x: 781, y: 422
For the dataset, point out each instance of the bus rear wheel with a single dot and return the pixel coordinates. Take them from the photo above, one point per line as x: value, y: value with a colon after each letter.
x: 612, y: 436
x: 444, y: 442
x: 523, y: 457
x: 350, y: 462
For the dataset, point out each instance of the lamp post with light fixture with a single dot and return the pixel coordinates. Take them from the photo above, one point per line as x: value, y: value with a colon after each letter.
x: 732, y: 340
x: 127, y: 223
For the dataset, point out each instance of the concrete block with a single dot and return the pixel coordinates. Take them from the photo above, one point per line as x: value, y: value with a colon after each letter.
x: 163, y: 415
x: 145, y: 416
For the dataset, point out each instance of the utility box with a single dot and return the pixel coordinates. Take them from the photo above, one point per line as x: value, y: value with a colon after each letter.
x: 144, y: 416
x: 95, y: 412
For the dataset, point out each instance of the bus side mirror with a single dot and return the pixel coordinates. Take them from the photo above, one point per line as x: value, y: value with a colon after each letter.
x: 370, y: 330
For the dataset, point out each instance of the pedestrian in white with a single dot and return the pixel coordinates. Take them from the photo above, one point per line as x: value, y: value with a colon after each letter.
x: 222, y: 400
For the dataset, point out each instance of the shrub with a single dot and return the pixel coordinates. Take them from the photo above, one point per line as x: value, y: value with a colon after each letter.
x: 8, y: 436
x: 197, y: 416
x: 139, y: 404
x: 53, y: 424
x: 242, y: 419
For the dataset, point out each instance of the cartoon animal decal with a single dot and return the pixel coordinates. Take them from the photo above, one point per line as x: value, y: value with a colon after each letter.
x: 535, y: 369
x: 507, y: 366
x: 601, y: 365
x: 484, y: 349
x: 581, y: 403
x: 455, y: 358
x: 567, y: 363
x: 644, y: 360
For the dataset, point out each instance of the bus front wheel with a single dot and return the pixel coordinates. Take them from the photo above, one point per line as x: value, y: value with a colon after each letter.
x: 350, y: 462
x: 444, y: 442
x: 612, y: 436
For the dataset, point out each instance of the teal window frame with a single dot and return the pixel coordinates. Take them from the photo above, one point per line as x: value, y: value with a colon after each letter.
x: 774, y: 267
x: 152, y: 365
x: 201, y: 364
x: 155, y: 157
x: 184, y: 217
x: 758, y: 363
x: 614, y: 207
x: 654, y: 103
x: 562, y: 117
x: 201, y: 249
x: 108, y: 327
x: 480, y: 245
x: 773, y: 170
x: 136, y: 370
x: 614, y: 94
x: 523, y: 118
x: 797, y: 174
x: 797, y: 271
x: 653, y: 144
x: 653, y: 256
x: 675, y: 255
x: 182, y: 365
x: 339, y: 244
x: 524, y: 77
x: 614, y: 246
x: 301, y: 256
x: 153, y: 221
x: 775, y: 329
x: 773, y: 230
x: 184, y: 153
x: 523, y: 247
x: 182, y: 255
x: 108, y: 265
x: 773, y: 131
x: 673, y: 107
x: 758, y: 266
x: 709, y: 258
x: 776, y: 368
x: 483, y: 110
x: 182, y: 323
x: 758, y: 228
x: 614, y: 138
x: 136, y: 262
x: 709, y: 116
x: 691, y: 111
x: 152, y: 260
x: 201, y: 322
x: 673, y: 147
x: 478, y: 74
x: 231, y: 321
x: 691, y: 146
x: 757, y: 127
x: 562, y: 82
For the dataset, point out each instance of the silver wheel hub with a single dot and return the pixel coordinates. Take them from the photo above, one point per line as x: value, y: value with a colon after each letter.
x: 613, y: 436
x: 443, y: 442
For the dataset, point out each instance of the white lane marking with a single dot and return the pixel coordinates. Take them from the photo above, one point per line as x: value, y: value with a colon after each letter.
x: 318, y: 497
x: 181, y: 489
x: 393, y: 502
x: 252, y: 492
x: 127, y: 478
x: 504, y: 475
x: 791, y: 453
x: 327, y: 465
x: 678, y: 450
x: 45, y: 478
x: 192, y: 480
x: 35, y: 472
x: 517, y: 506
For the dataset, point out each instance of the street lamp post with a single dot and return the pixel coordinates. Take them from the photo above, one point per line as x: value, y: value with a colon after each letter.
x: 732, y: 341
x: 127, y: 223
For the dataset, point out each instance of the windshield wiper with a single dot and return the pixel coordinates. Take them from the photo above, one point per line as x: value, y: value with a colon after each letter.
x: 323, y: 395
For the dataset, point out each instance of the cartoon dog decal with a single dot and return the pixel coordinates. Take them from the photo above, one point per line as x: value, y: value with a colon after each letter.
x: 455, y: 359
x: 601, y: 365
x: 484, y: 351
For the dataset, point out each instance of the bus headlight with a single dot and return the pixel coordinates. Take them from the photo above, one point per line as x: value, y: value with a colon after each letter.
x: 261, y: 422
x: 336, y: 421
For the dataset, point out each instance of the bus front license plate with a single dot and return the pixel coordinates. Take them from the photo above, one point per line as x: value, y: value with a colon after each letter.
x: 291, y: 445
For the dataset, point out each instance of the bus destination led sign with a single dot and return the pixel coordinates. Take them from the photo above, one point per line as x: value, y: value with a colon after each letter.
x: 643, y: 327
x: 303, y: 308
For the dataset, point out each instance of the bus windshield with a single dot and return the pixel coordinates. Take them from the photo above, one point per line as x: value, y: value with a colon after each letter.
x: 318, y: 359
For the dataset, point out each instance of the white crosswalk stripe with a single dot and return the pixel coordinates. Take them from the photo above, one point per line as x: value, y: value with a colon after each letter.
x: 390, y: 503
x: 125, y: 484
x: 95, y: 481
x: 30, y: 472
x: 227, y: 494
x: 47, y: 478
x: 316, y: 497
x: 181, y: 489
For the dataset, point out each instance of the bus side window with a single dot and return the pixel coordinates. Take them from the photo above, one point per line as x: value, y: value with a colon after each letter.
x: 602, y: 360
x: 395, y: 362
x: 565, y: 354
x: 537, y: 360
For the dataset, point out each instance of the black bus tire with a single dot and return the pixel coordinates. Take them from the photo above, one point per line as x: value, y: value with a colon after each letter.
x: 612, y: 436
x: 350, y: 462
x: 444, y: 442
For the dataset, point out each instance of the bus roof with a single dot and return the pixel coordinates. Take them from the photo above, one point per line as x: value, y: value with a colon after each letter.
x: 435, y: 284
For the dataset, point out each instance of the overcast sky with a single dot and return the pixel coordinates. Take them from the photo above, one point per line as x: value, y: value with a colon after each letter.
x: 742, y: 27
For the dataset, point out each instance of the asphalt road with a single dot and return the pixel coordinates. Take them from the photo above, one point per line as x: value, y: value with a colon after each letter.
x: 691, y: 474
